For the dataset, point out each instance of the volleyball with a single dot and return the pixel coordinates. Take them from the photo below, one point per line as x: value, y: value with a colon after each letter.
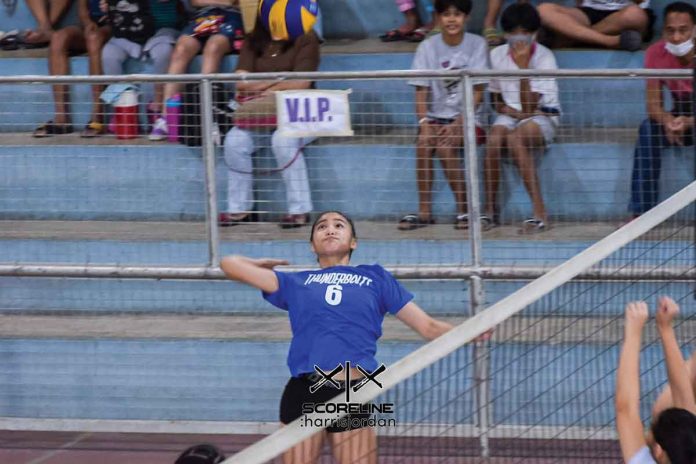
x: 288, y: 19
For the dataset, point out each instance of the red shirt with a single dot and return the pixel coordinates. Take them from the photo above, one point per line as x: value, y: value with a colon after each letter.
x: 657, y: 57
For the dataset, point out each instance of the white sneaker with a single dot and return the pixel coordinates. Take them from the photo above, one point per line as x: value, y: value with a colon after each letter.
x: 159, y: 130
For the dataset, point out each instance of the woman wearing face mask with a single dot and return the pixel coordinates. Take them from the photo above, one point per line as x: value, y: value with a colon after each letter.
x: 528, y: 112
x: 336, y: 315
x: 664, y: 127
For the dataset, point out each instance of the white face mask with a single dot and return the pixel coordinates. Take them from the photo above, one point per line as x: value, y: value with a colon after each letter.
x: 680, y: 49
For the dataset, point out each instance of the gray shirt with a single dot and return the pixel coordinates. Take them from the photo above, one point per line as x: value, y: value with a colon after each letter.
x: 433, y: 53
x: 643, y: 456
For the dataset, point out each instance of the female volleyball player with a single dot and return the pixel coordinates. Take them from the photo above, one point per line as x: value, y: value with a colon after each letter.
x: 674, y: 429
x: 336, y: 315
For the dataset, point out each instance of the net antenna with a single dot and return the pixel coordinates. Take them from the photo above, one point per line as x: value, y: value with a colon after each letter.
x: 294, y: 433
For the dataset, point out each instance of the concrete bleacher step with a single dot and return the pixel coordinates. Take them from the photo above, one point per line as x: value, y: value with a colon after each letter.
x: 579, y: 181
x: 243, y: 381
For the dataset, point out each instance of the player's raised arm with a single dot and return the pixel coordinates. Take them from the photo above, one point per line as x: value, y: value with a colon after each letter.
x: 627, y: 400
x: 255, y: 272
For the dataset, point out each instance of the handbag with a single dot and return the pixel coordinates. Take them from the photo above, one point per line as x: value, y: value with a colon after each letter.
x: 256, y: 112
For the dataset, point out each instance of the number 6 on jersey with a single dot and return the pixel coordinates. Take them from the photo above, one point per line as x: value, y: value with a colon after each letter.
x: 334, y: 294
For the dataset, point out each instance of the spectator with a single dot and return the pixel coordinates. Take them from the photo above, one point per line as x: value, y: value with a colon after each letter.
x: 263, y: 53
x: 528, y: 112
x: 413, y: 30
x: 142, y: 29
x: 619, y: 24
x: 48, y: 14
x: 674, y: 428
x: 664, y: 128
x: 216, y: 29
x: 90, y: 36
x: 438, y: 108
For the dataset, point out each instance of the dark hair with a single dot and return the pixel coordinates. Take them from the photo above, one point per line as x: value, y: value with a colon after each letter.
x: 201, y: 454
x: 462, y: 5
x: 340, y: 213
x: 260, y: 38
x: 675, y: 431
x: 680, y: 7
x: 521, y: 15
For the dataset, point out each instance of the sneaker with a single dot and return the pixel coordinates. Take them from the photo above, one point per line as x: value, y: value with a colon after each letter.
x: 533, y: 226
x: 159, y: 130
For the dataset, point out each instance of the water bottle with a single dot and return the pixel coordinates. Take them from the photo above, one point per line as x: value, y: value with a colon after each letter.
x: 173, y: 115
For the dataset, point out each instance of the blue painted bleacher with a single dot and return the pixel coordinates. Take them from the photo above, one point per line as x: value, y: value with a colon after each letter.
x: 124, y: 378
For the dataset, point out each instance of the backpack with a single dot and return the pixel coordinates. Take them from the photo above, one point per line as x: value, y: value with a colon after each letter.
x: 190, y: 120
x: 201, y: 454
x: 131, y: 19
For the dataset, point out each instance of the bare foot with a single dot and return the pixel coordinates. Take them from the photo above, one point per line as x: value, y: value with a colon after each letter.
x: 40, y: 36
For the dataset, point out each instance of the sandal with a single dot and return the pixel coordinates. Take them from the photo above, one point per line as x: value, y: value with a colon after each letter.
x: 493, y: 37
x: 93, y: 129
x: 414, y: 221
x: 418, y: 35
x: 50, y: 129
x: 394, y: 36
x: 461, y: 222
x: 533, y: 226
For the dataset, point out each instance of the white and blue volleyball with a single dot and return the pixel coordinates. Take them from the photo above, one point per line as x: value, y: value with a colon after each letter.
x: 288, y: 19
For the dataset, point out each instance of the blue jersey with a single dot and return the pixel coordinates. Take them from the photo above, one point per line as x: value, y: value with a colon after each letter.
x: 336, y: 314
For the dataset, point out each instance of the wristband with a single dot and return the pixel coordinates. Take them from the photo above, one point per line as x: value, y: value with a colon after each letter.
x: 422, y: 120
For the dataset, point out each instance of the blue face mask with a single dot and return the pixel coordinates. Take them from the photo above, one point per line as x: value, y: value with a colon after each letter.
x: 526, y: 39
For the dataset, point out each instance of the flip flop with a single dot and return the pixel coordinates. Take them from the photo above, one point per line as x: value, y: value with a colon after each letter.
x: 49, y: 129
x: 418, y: 35
x: 413, y: 222
x: 394, y: 36
x: 493, y: 37
x: 93, y: 129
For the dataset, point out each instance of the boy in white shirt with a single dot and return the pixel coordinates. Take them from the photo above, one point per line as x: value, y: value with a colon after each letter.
x: 528, y: 112
x: 438, y: 108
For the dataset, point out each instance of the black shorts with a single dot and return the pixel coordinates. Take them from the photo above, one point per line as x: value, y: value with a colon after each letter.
x: 297, y: 393
x: 596, y: 16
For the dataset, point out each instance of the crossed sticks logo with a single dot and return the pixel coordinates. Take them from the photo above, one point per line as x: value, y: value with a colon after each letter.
x: 358, y: 414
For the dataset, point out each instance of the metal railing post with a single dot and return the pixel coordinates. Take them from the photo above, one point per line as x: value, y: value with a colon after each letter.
x: 476, y: 290
x: 211, y: 210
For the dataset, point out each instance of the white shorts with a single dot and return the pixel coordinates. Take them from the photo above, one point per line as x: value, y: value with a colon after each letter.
x: 547, y: 124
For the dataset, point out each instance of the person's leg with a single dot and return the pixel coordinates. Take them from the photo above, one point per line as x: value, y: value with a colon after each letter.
x: 495, y: 147
x: 647, y: 161
x: 185, y: 50
x: 573, y: 24
x: 632, y: 17
x: 62, y: 41
x: 94, y: 42
x: 160, y: 49
x: 522, y: 142
x: 47, y: 15
x: 447, y: 150
x: 239, y: 146
x: 289, y: 156
x: 214, y: 51
x: 424, y: 174
x: 306, y: 452
x: 113, y: 57
x: 354, y: 446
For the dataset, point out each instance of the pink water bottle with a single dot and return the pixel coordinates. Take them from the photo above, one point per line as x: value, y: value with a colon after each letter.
x: 126, y: 115
x: 173, y: 114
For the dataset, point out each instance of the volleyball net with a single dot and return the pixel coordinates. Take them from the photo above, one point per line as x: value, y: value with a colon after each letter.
x: 541, y: 388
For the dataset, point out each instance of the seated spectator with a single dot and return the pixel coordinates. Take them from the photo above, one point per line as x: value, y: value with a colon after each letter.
x: 263, y: 53
x: 528, y: 112
x: 438, y: 108
x: 142, y: 29
x: 48, y: 14
x: 618, y: 24
x: 90, y: 36
x: 664, y: 127
x: 217, y: 29
x: 672, y: 438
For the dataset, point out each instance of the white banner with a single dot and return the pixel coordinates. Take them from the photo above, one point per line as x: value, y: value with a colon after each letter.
x: 313, y: 113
